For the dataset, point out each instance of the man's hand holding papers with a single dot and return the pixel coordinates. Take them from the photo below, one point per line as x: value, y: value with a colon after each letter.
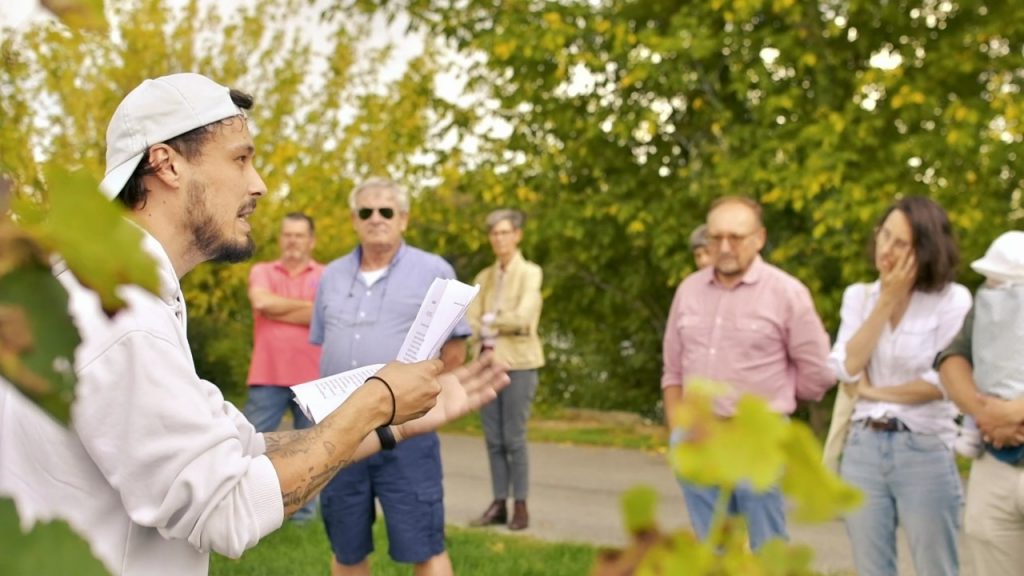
x: 423, y: 400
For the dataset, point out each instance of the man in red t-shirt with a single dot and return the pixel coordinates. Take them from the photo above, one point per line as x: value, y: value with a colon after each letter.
x: 282, y: 294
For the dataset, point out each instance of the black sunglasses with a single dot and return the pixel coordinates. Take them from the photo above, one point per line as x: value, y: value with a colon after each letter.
x: 385, y: 213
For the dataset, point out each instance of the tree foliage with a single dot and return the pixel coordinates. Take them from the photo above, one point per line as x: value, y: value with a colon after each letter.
x: 612, y: 124
x: 627, y: 118
x: 323, y: 120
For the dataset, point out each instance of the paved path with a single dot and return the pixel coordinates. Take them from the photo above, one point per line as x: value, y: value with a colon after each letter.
x: 575, y: 497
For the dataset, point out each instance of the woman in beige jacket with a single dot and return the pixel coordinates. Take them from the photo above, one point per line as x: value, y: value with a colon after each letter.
x: 504, y: 318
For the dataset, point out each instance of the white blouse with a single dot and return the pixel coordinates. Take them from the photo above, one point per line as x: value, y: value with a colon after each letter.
x: 905, y: 353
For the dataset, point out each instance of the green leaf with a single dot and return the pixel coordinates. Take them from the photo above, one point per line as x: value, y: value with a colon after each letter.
x: 639, y: 506
x: 99, y: 244
x: 49, y: 548
x: 725, y: 452
x: 817, y: 493
x: 83, y: 14
x: 680, y: 553
x: 778, y: 558
x: 37, y: 337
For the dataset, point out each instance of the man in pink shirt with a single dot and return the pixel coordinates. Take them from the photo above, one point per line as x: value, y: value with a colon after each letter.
x: 748, y: 324
x: 282, y: 294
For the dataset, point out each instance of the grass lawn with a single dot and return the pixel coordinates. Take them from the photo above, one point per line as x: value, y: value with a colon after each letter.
x: 584, y: 427
x: 302, y: 550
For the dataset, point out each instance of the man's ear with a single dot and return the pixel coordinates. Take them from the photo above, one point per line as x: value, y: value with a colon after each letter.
x: 166, y: 164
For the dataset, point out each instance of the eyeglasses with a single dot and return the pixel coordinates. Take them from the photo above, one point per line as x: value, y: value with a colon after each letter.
x: 385, y: 213
x: 715, y: 240
x: 883, y: 236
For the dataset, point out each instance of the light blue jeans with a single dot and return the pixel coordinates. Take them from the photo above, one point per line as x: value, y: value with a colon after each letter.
x: 264, y: 408
x: 764, y: 512
x: 910, y: 480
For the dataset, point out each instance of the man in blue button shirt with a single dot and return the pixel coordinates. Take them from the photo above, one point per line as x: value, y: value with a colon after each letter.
x: 366, y: 303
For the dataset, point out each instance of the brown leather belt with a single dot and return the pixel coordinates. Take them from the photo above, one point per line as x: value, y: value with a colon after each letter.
x: 886, y: 425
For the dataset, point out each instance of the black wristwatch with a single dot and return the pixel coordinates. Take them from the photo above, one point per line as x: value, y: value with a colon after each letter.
x: 387, y: 438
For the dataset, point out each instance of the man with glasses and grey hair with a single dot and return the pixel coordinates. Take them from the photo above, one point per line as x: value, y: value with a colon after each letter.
x: 367, y: 301
x: 745, y: 323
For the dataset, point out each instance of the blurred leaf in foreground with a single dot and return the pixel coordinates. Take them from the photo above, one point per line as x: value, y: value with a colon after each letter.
x: 817, y: 493
x: 50, y: 548
x: 639, y: 506
x: 37, y: 336
x: 82, y: 14
x: 99, y: 244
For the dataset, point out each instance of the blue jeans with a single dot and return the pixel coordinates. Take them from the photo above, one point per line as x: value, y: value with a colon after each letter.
x: 764, y: 512
x: 264, y: 408
x: 907, y: 479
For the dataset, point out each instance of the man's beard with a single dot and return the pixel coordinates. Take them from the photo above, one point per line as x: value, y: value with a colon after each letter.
x: 207, y: 239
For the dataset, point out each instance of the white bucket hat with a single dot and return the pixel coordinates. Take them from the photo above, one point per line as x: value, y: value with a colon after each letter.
x: 1004, y: 259
x: 156, y: 111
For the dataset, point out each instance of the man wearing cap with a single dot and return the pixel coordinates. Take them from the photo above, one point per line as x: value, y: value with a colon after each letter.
x: 983, y: 373
x: 156, y: 468
x: 367, y: 302
x: 281, y: 293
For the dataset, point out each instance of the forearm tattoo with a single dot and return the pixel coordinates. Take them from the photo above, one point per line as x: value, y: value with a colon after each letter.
x: 277, y: 440
x: 304, y: 444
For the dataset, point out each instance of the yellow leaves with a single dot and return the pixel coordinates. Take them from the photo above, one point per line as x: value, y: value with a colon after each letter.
x: 809, y: 59
x: 82, y: 14
x: 553, y: 19
x: 755, y: 447
x: 718, y: 452
x: 636, y: 227
x: 837, y: 121
x: 772, y: 196
x: 502, y: 50
x: 637, y: 74
x: 526, y: 195
x: 906, y: 96
x: 639, y: 509
x: 818, y: 494
x: 759, y: 447
x: 602, y: 26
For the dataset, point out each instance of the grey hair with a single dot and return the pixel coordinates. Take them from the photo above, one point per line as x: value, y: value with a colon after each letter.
x: 514, y: 217
x: 699, y: 237
x: 397, y: 192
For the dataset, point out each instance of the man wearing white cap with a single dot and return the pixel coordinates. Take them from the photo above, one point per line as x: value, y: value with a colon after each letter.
x: 157, y: 469
x: 983, y: 373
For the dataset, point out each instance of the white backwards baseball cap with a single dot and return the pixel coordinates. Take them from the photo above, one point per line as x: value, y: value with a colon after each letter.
x: 156, y: 111
x: 1004, y: 259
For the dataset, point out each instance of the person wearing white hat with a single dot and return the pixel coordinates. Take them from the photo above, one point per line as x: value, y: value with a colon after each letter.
x: 983, y: 371
x: 157, y: 469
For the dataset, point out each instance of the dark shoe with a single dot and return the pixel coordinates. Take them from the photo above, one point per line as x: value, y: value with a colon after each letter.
x: 520, y: 517
x: 495, y: 514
